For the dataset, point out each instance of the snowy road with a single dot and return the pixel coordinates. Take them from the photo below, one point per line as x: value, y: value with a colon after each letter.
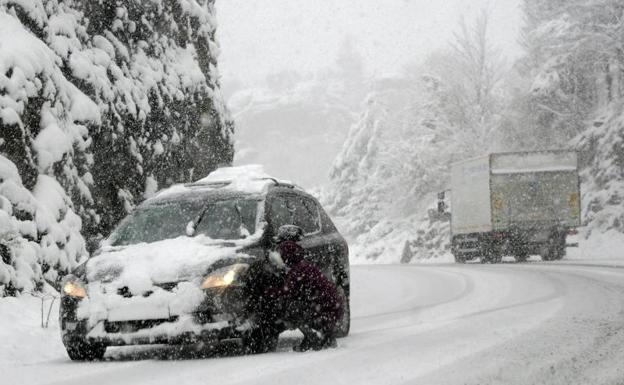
x: 526, y: 324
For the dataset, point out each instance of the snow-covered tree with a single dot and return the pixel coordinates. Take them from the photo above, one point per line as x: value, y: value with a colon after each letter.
x: 573, y: 63
x: 101, y: 103
x: 574, y: 68
x: 397, y: 155
x: 164, y: 118
x: 471, y: 72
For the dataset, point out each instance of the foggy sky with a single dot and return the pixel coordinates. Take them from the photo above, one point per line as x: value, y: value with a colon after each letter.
x: 264, y: 37
x: 260, y: 37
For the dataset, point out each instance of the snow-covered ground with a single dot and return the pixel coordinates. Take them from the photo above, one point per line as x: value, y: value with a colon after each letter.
x: 436, y: 324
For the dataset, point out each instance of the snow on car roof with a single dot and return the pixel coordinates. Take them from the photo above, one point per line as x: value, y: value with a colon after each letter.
x: 248, y: 179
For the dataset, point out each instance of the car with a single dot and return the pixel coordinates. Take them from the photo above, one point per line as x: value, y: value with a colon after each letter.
x: 189, y: 265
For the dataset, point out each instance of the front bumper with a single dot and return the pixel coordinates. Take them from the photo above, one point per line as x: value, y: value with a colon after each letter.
x: 221, y: 315
x: 177, y: 331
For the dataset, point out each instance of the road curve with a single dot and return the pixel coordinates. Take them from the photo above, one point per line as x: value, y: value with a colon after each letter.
x: 441, y: 324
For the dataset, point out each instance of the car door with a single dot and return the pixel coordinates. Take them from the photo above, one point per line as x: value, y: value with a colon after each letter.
x: 279, y: 213
x: 335, y: 247
x: 306, y: 215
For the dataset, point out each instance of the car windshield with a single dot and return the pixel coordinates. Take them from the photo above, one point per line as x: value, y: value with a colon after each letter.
x: 224, y: 219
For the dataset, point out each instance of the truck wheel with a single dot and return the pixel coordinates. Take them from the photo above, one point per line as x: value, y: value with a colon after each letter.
x: 560, y: 248
x: 554, y: 253
x: 555, y: 249
x: 521, y: 256
x: 80, y: 350
x: 550, y: 254
x: 492, y: 256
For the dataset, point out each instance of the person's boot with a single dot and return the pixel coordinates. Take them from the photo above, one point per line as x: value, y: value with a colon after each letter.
x: 329, y: 341
x: 326, y: 340
x: 305, y: 345
x: 311, y: 341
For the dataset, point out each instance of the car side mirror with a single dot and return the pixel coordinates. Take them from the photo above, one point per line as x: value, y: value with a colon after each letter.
x: 190, y: 229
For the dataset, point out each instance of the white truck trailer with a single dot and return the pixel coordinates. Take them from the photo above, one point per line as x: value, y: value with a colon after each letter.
x: 515, y: 204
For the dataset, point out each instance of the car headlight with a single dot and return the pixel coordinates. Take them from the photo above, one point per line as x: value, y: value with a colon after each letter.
x: 225, y: 276
x: 74, y: 289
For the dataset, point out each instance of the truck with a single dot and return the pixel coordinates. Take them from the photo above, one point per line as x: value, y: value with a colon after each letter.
x: 514, y: 204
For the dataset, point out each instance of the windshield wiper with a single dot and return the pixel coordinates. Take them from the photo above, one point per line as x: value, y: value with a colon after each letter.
x: 243, y: 231
x: 191, y: 226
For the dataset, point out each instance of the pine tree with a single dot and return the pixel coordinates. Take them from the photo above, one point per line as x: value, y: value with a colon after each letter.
x: 397, y: 155
x: 101, y: 104
x: 574, y: 71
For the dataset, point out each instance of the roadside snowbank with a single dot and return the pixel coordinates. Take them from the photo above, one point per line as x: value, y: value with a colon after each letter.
x: 412, y: 240
x: 425, y: 241
x: 599, y: 246
x: 23, y: 338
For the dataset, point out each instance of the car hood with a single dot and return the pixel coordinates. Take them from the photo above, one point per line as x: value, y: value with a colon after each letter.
x: 142, y: 265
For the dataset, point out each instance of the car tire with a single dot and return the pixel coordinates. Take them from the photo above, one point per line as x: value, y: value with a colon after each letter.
x: 80, y: 350
x: 345, y: 323
x: 259, y: 341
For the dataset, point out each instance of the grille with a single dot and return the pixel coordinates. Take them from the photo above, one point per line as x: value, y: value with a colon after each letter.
x: 134, y: 326
x: 126, y: 293
x: 168, y: 286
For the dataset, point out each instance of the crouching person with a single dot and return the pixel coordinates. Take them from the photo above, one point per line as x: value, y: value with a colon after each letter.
x: 308, y: 299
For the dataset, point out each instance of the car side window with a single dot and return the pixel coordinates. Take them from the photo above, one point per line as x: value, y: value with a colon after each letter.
x: 280, y: 213
x: 306, y: 214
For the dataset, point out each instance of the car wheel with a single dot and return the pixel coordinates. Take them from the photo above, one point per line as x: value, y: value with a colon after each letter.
x: 547, y: 255
x: 79, y: 350
x: 259, y: 341
x: 345, y: 323
x: 521, y: 256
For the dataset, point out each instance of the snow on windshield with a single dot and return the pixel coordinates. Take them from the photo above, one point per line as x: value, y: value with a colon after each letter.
x: 225, y: 219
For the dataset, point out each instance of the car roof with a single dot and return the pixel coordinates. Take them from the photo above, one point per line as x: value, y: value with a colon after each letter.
x: 206, y: 195
x: 224, y: 183
x: 221, y: 190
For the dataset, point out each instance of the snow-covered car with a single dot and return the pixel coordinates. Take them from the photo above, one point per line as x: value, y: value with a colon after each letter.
x: 189, y: 265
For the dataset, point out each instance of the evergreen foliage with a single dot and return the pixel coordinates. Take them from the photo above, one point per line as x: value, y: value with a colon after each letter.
x: 101, y: 104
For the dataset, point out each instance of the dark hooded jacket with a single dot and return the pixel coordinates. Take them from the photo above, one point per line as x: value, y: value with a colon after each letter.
x: 307, y: 293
